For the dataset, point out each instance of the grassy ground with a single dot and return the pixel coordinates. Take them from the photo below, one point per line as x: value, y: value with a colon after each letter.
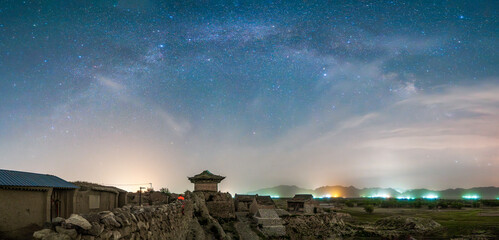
x: 455, y: 222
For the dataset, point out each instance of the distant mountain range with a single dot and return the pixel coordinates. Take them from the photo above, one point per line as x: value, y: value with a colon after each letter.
x: 286, y: 191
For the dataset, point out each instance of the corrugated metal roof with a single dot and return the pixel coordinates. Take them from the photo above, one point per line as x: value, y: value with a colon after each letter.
x: 27, y: 179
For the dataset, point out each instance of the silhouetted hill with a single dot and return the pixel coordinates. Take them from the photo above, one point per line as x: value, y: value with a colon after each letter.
x: 353, y: 192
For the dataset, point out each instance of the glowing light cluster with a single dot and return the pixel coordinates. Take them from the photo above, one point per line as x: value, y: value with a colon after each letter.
x: 471, y: 197
x: 405, y: 198
x: 430, y: 196
x: 274, y: 196
x: 379, y: 196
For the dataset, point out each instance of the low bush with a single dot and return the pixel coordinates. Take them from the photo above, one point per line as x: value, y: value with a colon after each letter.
x: 369, y: 208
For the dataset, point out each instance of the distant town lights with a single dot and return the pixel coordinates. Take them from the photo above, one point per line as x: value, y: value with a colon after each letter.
x: 274, y: 196
x: 471, y: 197
x: 405, y: 198
x: 380, y: 196
x: 430, y: 196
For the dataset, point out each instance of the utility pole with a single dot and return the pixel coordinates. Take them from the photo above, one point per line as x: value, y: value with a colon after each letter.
x: 140, y: 195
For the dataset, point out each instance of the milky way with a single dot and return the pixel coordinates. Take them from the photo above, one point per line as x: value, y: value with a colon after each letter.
x: 312, y: 93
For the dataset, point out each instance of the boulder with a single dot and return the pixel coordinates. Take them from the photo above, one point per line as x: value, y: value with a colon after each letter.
x: 105, y: 214
x: 70, y: 232
x: 96, y: 229
x: 41, y: 234
x: 142, y: 226
x: 110, y: 221
x: 91, y: 218
x: 116, y: 235
x: 57, y: 236
x: 77, y: 220
x: 57, y: 221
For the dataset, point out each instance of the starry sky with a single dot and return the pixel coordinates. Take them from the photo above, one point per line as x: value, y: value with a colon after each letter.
x: 400, y: 94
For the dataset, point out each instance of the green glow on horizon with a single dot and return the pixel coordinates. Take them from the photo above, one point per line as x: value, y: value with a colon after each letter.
x: 430, y: 196
x: 379, y: 196
x: 274, y: 196
x: 405, y: 198
x: 471, y: 197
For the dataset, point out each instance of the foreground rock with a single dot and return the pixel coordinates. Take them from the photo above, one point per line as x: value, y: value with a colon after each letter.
x: 333, y: 225
x: 189, y: 219
x: 320, y: 226
x: 410, y: 224
x: 77, y: 221
x: 399, y: 227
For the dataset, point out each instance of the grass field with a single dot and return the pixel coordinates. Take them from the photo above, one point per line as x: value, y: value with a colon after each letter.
x: 456, y: 223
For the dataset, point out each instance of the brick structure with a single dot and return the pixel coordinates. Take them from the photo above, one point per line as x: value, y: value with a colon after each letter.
x: 206, y: 182
x: 261, y: 202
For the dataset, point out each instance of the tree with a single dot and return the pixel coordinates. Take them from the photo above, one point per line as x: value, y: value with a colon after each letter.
x: 165, y: 191
x: 369, y: 209
x: 456, y: 205
x: 418, y: 203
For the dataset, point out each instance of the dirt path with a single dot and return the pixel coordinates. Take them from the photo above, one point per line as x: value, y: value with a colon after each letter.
x: 243, y: 227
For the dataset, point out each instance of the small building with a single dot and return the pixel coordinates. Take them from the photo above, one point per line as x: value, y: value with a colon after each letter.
x: 206, y: 182
x: 261, y: 202
x: 304, y: 203
x: 92, y: 197
x: 243, y: 202
x: 269, y: 223
x: 28, y: 200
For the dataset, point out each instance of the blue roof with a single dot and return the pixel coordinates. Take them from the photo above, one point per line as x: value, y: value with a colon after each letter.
x: 27, y: 179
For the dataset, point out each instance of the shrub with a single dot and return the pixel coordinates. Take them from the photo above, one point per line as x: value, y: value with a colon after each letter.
x: 349, y: 203
x: 369, y: 208
x: 165, y: 191
x: 390, y: 203
x: 490, y: 203
x: 418, y: 203
x: 442, y: 204
x: 456, y: 205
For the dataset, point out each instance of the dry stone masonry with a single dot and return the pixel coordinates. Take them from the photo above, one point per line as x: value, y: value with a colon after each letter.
x: 189, y: 219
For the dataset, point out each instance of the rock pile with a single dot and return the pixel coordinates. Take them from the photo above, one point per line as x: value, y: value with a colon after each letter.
x: 395, y: 227
x: 152, y: 222
x: 333, y: 225
x: 319, y: 226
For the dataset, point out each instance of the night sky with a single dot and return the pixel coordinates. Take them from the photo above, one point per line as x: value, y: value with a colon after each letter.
x: 365, y: 93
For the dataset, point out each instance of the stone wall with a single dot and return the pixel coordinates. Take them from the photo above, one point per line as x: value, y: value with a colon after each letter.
x: 171, y: 221
x: 189, y: 219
